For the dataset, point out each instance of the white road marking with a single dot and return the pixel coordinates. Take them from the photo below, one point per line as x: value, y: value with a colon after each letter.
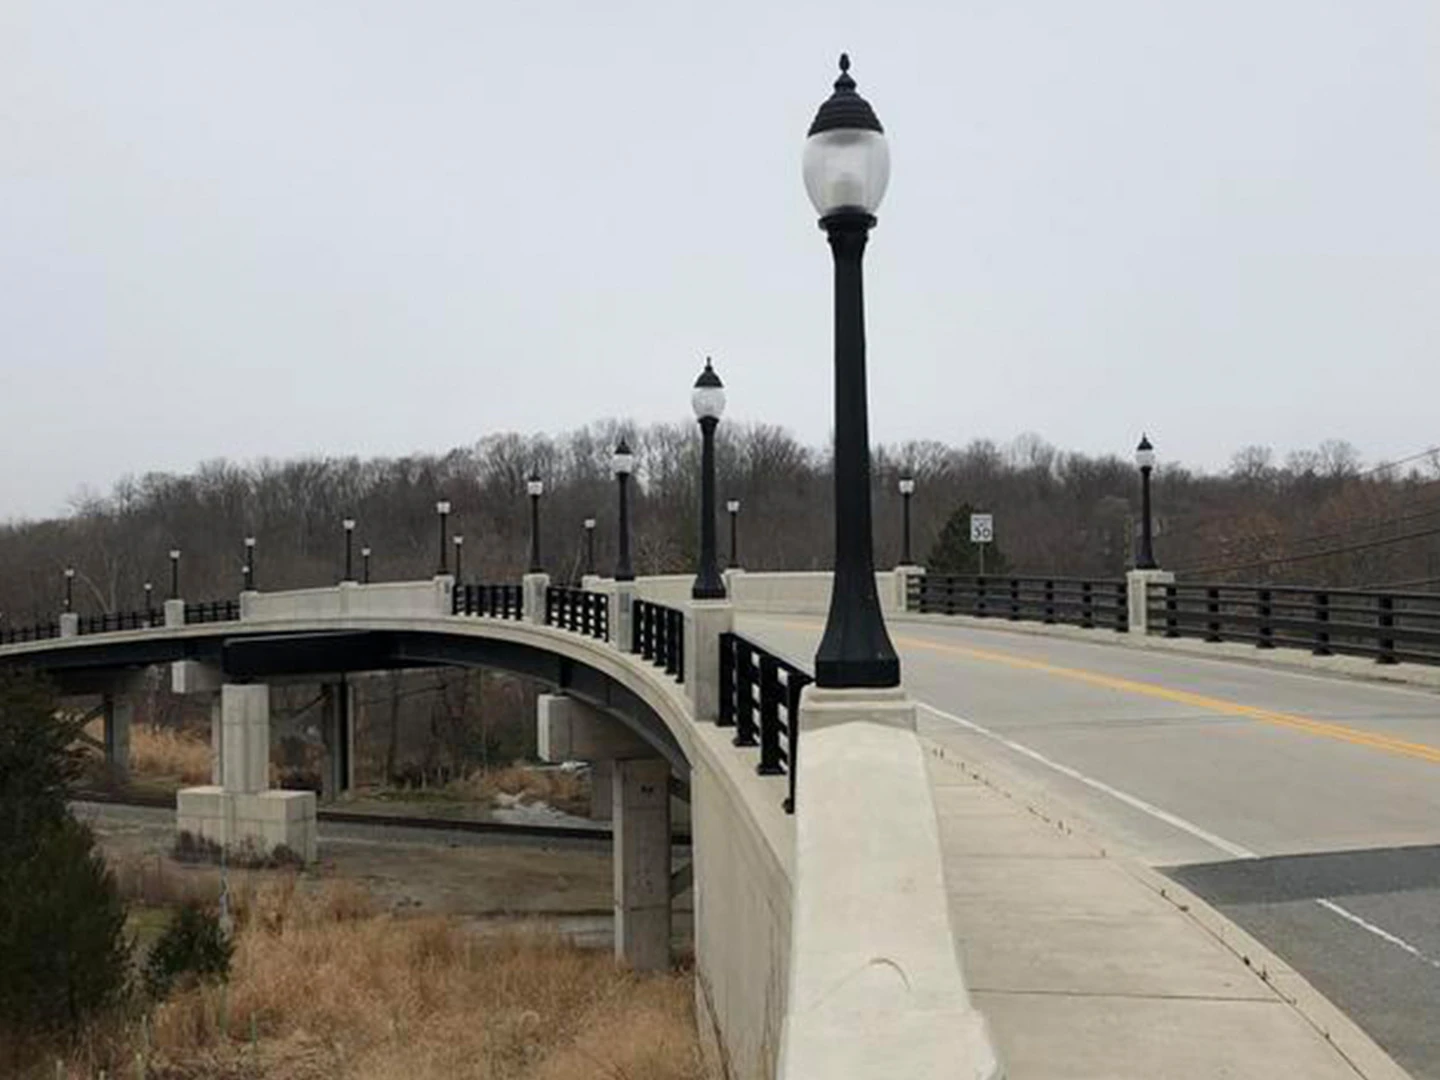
x: 1177, y: 822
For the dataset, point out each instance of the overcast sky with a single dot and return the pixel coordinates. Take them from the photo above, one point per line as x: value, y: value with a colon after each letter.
x: 275, y: 228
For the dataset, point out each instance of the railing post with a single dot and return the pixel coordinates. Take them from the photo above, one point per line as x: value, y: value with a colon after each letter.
x: 1322, y: 624
x: 1087, y: 606
x: 769, y: 717
x: 979, y: 597
x: 1213, y: 607
x: 1266, y: 639
x: 1172, y: 609
x: 1049, y: 601
x: 1122, y: 608
x: 725, y: 715
x: 1386, y: 654
x: 744, y: 696
x: 1014, y: 599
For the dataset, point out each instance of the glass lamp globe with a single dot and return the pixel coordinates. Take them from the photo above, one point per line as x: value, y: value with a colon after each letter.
x: 349, y: 524
x: 1145, y: 454
x: 708, y: 397
x: 174, y: 553
x: 907, y: 485
x: 443, y: 506
x: 847, y: 158
x: 733, y: 506
x: 535, y: 486
x: 459, y: 540
x: 589, y: 523
x: 622, y: 461
x: 249, y: 541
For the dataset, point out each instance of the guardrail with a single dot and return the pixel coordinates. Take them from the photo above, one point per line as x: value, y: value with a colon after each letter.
x: 658, y: 635
x: 1388, y: 626
x: 580, y: 610
x: 208, y: 611
x: 760, y: 699
x: 39, y: 632
x: 114, y: 621
x: 1075, y: 601
x: 494, y: 601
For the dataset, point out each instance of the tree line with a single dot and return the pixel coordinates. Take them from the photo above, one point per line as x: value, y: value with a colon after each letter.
x: 1056, y: 512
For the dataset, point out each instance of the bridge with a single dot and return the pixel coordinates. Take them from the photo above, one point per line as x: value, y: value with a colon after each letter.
x: 1108, y: 825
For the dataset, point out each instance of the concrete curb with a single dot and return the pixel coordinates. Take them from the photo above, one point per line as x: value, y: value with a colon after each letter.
x: 1356, y: 668
x: 1358, y: 1049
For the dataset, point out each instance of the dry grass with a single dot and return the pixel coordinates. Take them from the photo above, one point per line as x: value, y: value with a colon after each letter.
x: 164, y: 753
x: 323, y: 986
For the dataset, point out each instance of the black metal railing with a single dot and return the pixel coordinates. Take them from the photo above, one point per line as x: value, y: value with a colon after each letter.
x: 579, y: 610
x: 208, y: 611
x: 115, y: 621
x: 12, y: 635
x: 1101, y: 602
x: 1387, y: 626
x: 493, y: 601
x: 658, y: 635
x: 760, y: 699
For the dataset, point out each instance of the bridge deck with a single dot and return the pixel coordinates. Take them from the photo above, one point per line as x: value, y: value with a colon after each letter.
x: 1197, y: 766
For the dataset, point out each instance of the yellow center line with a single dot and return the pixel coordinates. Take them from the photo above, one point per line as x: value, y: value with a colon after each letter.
x: 1322, y: 728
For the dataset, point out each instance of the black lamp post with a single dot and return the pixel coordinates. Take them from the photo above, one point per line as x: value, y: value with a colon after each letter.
x: 443, y: 509
x: 733, y: 506
x: 69, y: 588
x: 349, y: 526
x: 459, y: 559
x: 846, y: 169
x: 590, y: 546
x: 249, y: 564
x: 174, y: 573
x: 623, y: 463
x: 1145, y: 459
x: 708, y: 400
x: 535, y: 487
x: 907, y: 489
x: 365, y: 564
x: 149, y: 598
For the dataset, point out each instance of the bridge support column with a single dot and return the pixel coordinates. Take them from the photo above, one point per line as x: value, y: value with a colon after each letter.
x: 641, y: 809
x: 705, y: 621
x: 622, y: 599
x: 338, y: 732
x: 1137, y: 594
x: 532, y: 591
x: 240, y: 812
x: 217, y: 742
x: 602, y: 778
x: 119, y: 711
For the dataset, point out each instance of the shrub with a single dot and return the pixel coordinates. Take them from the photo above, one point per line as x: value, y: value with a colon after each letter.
x: 193, y: 948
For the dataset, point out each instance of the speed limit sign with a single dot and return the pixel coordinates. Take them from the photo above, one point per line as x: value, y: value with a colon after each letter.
x: 982, y: 528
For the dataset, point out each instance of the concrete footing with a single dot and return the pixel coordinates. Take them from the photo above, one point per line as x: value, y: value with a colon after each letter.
x: 241, y: 812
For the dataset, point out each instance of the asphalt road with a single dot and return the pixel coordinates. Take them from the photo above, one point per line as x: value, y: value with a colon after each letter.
x: 1306, y: 808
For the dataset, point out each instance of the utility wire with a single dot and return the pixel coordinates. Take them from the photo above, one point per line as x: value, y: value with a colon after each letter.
x: 1386, y: 466
x: 1282, y: 559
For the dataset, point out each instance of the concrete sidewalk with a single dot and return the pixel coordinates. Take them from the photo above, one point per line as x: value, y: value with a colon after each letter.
x: 1090, y: 966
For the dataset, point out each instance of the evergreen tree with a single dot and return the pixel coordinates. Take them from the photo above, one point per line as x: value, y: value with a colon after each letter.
x: 63, y: 951
x: 953, y: 553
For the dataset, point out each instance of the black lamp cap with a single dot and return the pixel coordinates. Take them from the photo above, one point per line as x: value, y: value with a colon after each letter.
x: 1144, y: 442
x: 622, y: 447
x: 845, y: 108
x: 708, y: 378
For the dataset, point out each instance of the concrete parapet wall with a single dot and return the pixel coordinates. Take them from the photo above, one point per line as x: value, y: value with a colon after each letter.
x: 387, y: 599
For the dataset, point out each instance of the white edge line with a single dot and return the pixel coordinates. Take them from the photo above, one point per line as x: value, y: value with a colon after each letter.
x: 1177, y: 822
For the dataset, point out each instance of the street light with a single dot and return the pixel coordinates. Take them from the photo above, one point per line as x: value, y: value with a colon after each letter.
x: 535, y: 487
x: 846, y: 167
x: 733, y: 506
x: 623, y: 463
x: 174, y: 573
x: 249, y: 564
x: 708, y: 401
x: 907, y: 488
x: 1145, y: 460
x: 443, y: 509
x: 459, y: 559
x: 590, y: 546
x: 349, y: 526
x: 365, y: 564
x: 69, y: 588
x: 149, y: 599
